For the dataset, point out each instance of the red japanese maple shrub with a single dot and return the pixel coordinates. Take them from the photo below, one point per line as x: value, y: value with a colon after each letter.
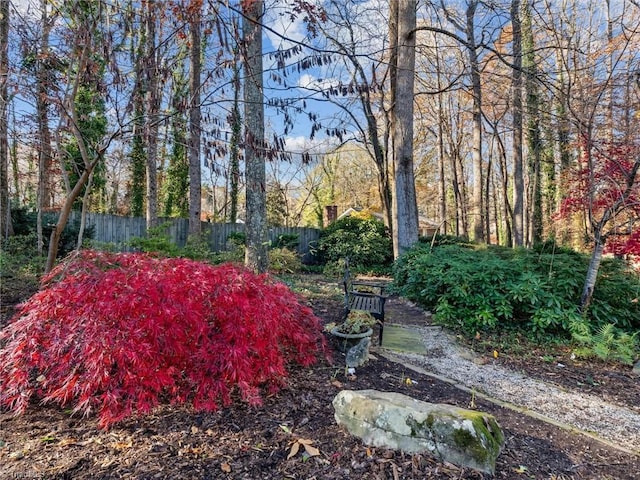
x: 120, y: 333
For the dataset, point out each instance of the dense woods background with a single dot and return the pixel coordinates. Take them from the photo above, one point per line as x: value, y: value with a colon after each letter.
x: 525, y: 114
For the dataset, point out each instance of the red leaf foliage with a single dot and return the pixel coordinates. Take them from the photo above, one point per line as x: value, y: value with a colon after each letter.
x: 606, y: 188
x: 120, y: 333
x: 600, y: 179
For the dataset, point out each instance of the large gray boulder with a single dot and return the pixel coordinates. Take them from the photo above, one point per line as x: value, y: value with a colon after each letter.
x: 466, y: 438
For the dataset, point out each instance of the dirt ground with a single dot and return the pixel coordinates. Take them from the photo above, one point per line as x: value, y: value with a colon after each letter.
x: 242, y: 442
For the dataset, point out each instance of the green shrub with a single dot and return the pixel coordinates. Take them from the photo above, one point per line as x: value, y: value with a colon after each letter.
x: 479, y: 287
x: 290, y: 241
x: 283, y: 260
x: 616, y: 289
x: 365, y: 241
x: 237, y: 239
x: 18, y: 256
x: 157, y: 241
x: 25, y: 223
x: 198, y: 248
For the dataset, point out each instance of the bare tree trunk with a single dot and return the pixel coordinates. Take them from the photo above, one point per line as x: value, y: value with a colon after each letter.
x: 534, y: 139
x: 45, y: 158
x: 592, y: 273
x: 507, y: 212
x: 83, y: 211
x: 405, y: 208
x: 460, y: 195
x: 442, y: 184
x: 487, y: 203
x: 56, y: 233
x: 195, y: 170
x: 496, y: 212
x: 516, y: 89
x: 256, y: 256
x: 6, y: 227
x: 476, y: 149
x: 152, y: 106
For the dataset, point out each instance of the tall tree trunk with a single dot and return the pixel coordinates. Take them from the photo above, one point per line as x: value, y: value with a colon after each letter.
x: 534, y: 138
x: 563, y: 127
x: 507, y: 211
x: 460, y: 194
x: 476, y: 148
x: 45, y: 158
x: 151, y: 107
x: 6, y: 227
x: 405, y: 208
x: 195, y: 170
x: 256, y: 257
x: 442, y: 184
x: 234, y: 148
x: 486, y: 202
x: 516, y: 89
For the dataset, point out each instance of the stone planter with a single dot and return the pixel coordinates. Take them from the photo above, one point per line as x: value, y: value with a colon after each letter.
x: 348, y: 340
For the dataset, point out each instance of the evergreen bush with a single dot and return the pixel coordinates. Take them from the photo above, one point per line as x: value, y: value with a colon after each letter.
x: 365, y: 241
x: 25, y: 225
x: 480, y: 287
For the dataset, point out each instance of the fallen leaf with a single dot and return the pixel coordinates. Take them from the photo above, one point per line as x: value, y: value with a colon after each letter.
x: 311, y: 450
x: 337, y: 384
x: 294, y: 449
x: 122, y: 445
x: 225, y: 467
x: 194, y: 430
x: 67, y: 441
x: 495, y: 354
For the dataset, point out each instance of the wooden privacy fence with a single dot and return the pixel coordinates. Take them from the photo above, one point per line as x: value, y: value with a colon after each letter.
x: 118, y: 230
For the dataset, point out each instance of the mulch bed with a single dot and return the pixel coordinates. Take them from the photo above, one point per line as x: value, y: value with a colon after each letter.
x: 242, y: 442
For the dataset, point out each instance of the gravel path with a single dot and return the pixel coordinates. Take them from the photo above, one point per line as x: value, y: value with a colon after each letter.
x: 616, y: 424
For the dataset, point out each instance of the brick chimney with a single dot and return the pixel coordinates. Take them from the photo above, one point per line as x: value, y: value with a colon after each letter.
x: 331, y: 214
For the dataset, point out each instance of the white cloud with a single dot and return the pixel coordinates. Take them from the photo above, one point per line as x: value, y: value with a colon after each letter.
x: 317, y: 146
x: 308, y: 81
